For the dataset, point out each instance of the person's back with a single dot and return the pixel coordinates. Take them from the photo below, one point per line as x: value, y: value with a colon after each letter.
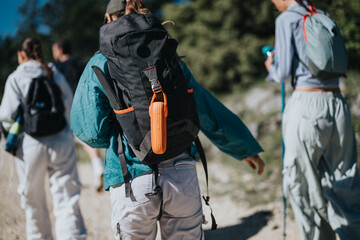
x: 320, y: 160
x: 177, y: 206
x: 71, y: 67
x: 290, y: 33
x: 50, y: 155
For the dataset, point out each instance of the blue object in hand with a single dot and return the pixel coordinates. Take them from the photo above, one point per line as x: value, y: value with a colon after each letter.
x: 12, y: 137
x: 266, y: 50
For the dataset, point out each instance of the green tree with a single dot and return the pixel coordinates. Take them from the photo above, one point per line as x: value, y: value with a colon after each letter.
x: 222, y: 39
x: 8, y: 59
x: 77, y: 21
x: 80, y: 22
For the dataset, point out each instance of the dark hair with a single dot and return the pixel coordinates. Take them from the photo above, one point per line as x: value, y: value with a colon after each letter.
x: 64, y: 45
x: 301, y: 3
x: 32, y: 49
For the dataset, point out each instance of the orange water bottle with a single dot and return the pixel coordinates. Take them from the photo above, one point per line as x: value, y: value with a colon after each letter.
x: 158, y: 112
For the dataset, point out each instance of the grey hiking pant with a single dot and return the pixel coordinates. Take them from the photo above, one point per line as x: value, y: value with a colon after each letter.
x: 135, y: 217
x: 54, y: 156
x: 320, y: 172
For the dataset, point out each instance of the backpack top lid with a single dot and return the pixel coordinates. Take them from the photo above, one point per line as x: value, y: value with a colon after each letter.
x: 111, y: 32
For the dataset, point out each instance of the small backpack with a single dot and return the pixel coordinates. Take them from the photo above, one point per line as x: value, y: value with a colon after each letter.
x: 325, y: 47
x: 43, y: 109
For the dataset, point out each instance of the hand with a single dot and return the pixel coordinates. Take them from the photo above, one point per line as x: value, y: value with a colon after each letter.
x: 269, y: 61
x: 255, y: 160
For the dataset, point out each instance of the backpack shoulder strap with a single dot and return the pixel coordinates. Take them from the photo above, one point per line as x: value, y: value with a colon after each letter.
x: 207, y: 198
x: 115, y: 102
x: 55, y: 94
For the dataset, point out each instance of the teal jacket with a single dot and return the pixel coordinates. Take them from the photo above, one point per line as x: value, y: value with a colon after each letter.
x: 93, y: 122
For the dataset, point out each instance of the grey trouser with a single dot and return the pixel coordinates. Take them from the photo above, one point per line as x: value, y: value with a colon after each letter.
x: 54, y: 156
x: 320, y: 172
x: 136, y: 217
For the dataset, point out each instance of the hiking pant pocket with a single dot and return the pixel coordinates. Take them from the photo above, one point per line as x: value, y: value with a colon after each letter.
x: 186, y: 172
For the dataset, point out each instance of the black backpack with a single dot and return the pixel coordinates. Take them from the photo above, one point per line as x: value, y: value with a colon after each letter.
x: 145, y: 68
x: 43, y: 109
x: 142, y: 62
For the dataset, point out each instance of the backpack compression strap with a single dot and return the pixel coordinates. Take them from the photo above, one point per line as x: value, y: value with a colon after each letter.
x: 207, y: 198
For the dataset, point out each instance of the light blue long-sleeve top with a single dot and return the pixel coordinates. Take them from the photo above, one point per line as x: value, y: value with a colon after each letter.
x: 93, y: 122
x: 289, y: 39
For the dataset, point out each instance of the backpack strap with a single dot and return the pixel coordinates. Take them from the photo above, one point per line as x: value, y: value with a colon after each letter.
x: 53, y: 94
x: 115, y: 102
x: 207, y: 198
x: 123, y: 166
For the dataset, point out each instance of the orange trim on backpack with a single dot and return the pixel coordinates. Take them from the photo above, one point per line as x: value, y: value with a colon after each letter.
x: 305, y: 17
x: 190, y: 90
x: 312, y: 12
x: 312, y: 9
x: 149, y: 67
x: 124, y: 110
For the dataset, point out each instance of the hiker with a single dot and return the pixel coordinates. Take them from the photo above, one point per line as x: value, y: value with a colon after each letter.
x: 72, y: 69
x: 320, y: 173
x: 177, y: 205
x: 50, y: 152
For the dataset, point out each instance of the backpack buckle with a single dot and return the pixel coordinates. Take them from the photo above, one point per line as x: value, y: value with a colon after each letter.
x: 155, y: 85
x: 151, y: 74
x: 155, y: 191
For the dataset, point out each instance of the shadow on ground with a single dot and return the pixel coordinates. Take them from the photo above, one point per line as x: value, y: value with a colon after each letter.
x: 248, y: 227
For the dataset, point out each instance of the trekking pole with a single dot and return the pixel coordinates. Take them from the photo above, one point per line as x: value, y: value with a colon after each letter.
x: 282, y: 158
x: 266, y: 50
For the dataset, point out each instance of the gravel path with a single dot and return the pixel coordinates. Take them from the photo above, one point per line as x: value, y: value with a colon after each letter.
x: 235, y: 220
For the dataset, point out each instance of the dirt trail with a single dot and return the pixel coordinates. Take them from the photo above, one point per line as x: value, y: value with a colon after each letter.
x: 235, y: 220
